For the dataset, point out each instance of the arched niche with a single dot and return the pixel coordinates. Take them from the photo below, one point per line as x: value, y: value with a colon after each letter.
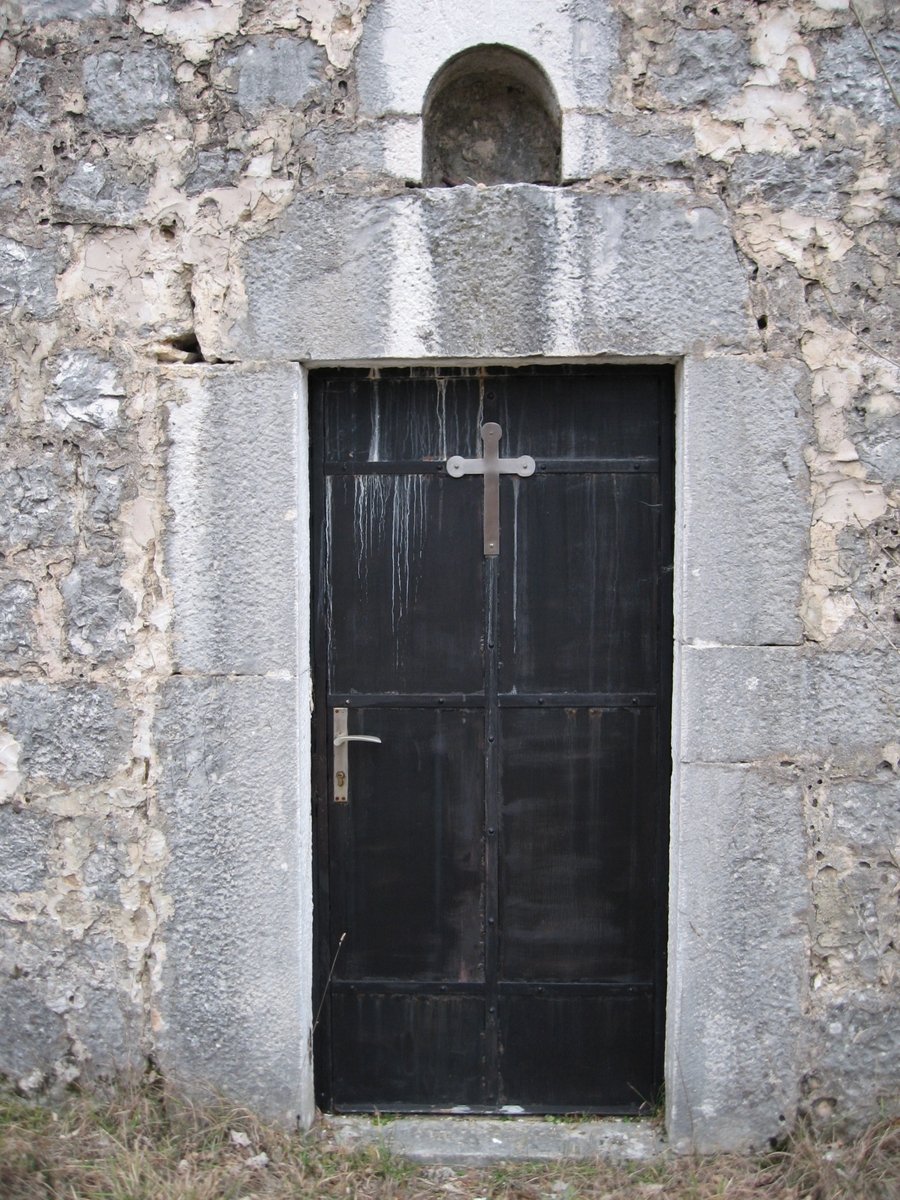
x: 491, y: 116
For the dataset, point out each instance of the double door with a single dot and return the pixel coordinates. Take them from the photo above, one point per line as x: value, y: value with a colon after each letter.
x: 492, y: 649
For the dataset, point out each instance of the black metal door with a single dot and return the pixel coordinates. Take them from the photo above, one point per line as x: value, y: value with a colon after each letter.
x: 492, y: 891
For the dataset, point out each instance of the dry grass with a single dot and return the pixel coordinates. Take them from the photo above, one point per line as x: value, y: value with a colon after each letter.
x: 144, y: 1144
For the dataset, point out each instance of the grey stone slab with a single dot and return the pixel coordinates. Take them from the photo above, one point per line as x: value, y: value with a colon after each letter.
x: 26, y: 89
x: 215, y: 167
x: 41, y: 12
x: 234, y: 1000
x: 848, y: 75
x: 480, y: 1141
x: 276, y: 72
x: 18, y: 600
x: 38, y: 1035
x: 24, y: 837
x: 69, y: 733
x: 98, y: 610
x: 738, y: 962
x: 741, y: 704
x: 36, y: 505
x: 86, y: 392
x: 499, y: 271
x: 11, y: 177
x: 28, y: 278
x: 128, y: 91
x: 865, y: 812
x: 854, y: 1078
x: 745, y: 504
x: 96, y: 192
x: 706, y: 67
x: 816, y: 182
x: 231, y: 543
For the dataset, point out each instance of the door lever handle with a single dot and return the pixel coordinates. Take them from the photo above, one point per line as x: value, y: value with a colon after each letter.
x: 341, y: 766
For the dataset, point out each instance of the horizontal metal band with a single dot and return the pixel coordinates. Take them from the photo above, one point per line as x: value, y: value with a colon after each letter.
x: 429, y: 989
x: 544, y: 466
x: 505, y: 699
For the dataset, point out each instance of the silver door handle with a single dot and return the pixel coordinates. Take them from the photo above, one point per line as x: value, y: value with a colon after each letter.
x: 341, y: 778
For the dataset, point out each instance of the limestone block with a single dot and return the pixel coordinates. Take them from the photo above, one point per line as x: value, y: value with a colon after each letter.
x: 69, y: 733
x: 98, y: 611
x: 853, y: 1057
x: 97, y: 193
x: 40, y: 12
x: 776, y: 180
x: 86, y: 392
x: 275, y: 72
x: 36, y: 505
x: 18, y: 600
x: 708, y: 66
x: 27, y: 278
x: 841, y: 81
x: 741, y: 704
x: 864, y: 812
x: 738, y: 963
x: 213, y: 168
x: 490, y: 272
x: 11, y: 174
x: 231, y: 544
x: 24, y: 836
x: 105, y: 496
x: 26, y: 90
x: 577, y: 47
x: 235, y: 993
x: 39, y: 1035
x: 126, y: 92
x: 745, y: 507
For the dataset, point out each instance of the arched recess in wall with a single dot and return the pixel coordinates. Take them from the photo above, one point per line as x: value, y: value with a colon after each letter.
x: 491, y: 116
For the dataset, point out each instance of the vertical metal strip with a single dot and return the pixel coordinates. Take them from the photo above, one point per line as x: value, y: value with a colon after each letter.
x: 491, y: 835
x: 491, y: 434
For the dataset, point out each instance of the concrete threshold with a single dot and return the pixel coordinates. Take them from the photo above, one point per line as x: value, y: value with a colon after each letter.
x: 480, y: 1141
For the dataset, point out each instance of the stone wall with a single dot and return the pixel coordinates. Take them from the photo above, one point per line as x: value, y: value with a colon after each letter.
x: 200, y: 183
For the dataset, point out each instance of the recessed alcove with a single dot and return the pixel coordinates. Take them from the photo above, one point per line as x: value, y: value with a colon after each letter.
x: 491, y: 116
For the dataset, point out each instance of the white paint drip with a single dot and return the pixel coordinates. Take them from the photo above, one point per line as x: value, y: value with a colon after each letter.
x: 389, y: 526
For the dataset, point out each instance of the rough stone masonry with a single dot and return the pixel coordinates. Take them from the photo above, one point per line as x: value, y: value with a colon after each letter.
x: 202, y: 197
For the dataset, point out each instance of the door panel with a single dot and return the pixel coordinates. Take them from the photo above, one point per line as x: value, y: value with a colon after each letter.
x: 577, y: 902
x: 491, y: 876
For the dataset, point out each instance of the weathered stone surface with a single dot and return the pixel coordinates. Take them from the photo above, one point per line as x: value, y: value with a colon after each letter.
x: 26, y: 91
x: 213, y: 168
x: 69, y: 733
x: 98, y: 611
x: 106, y: 488
x: 864, y: 813
x: 235, y: 996
x: 745, y: 704
x: 17, y: 603
x: 777, y: 180
x: 27, y: 278
x: 24, y: 836
x: 746, y: 506
x: 40, y: 1035
x: 472, y: 272
x: 40, y: 11
x: 853, y: 1062
x: 97, y: 193
x: 849, y: 76
x: 10, y: 182
x: 275, y: 72
x: 36, y: 506
x: 708, y: 66
x: 86, y: 392
x: 231, y: 548
x: 741, y: 898
x: 126, y: 92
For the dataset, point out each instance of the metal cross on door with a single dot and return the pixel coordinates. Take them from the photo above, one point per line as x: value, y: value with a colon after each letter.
x: 492, y: 646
